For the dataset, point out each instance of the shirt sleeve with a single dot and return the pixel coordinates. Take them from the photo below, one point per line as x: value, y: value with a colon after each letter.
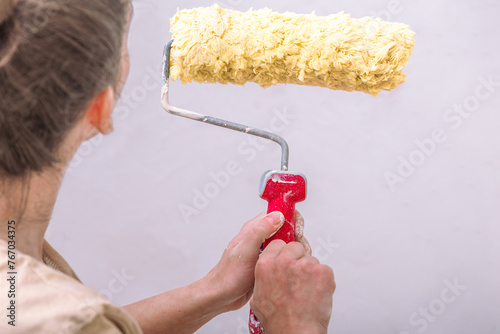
x: 113, y: 320
x: 100, y: 325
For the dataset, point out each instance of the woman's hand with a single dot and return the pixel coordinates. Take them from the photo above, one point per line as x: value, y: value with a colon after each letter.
x: 227, y: 287
x: 292, y: 292
x: 233, y: 276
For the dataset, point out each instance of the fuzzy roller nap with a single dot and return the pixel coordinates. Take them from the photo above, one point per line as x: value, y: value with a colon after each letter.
x: 217, y: 45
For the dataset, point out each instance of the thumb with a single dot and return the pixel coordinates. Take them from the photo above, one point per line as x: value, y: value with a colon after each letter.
x: 261, y: 230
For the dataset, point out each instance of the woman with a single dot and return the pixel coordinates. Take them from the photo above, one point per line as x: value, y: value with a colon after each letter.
x: 63, y: 64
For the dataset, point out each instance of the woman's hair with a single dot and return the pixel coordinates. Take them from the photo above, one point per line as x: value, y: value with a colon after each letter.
x: 56, y: 56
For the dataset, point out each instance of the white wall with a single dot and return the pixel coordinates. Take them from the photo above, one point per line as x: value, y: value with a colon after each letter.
x: 394, y: 253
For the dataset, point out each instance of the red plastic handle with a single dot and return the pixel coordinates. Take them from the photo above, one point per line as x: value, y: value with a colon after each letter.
x: 282, y: 190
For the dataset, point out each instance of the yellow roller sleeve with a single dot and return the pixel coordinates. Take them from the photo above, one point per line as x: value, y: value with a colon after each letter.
x: 216, y: 45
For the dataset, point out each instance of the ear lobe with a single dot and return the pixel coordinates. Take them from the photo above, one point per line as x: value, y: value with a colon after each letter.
x: 100, y: 110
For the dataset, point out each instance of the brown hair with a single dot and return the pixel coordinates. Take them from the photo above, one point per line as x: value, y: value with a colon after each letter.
x: 55, y: 57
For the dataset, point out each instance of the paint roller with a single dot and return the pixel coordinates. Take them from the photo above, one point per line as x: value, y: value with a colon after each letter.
x: 217, y: 45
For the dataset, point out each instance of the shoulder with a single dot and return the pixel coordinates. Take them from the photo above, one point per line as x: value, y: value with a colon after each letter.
x: 49, y: 301
x: 103, y: 318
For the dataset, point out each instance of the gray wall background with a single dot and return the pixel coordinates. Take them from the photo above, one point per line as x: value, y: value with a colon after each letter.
x: 419, y: 257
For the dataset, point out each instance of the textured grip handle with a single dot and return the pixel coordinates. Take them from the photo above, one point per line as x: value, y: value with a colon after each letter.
x: 282, y: 190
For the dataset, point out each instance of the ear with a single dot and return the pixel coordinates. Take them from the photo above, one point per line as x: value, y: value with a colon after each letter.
x: 98, y: 114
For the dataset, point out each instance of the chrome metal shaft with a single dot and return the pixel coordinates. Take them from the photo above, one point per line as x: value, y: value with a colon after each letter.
x: 213, y: 120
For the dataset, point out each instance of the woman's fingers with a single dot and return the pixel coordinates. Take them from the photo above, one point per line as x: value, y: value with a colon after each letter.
x: 299, y: 232
x: 299, y: 225
x: 291, y: 251
x: 258, y: 232
x: 306, y: 245
x: 292, y: 291
x: 254, y: 230
x: 237, y: 239
x: 273, y: 249
x: 294, y: 251
x: 311, y: 260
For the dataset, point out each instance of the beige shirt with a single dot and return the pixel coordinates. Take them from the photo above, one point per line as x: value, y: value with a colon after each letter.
x: 49, y: 298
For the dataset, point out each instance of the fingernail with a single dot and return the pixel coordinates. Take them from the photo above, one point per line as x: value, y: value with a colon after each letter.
x: 277, y: 219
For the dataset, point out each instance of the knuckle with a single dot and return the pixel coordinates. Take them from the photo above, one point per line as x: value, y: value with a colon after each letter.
x: 284, y: 261
x: 305, y: 265
x: 264, y: 264
x: 274, y: 246
x: 323, y: 270
x: 329, y: 272
x: 326, y: 276
x: 334, y: 286
x: 278, y: 243
x: 293, y: 247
